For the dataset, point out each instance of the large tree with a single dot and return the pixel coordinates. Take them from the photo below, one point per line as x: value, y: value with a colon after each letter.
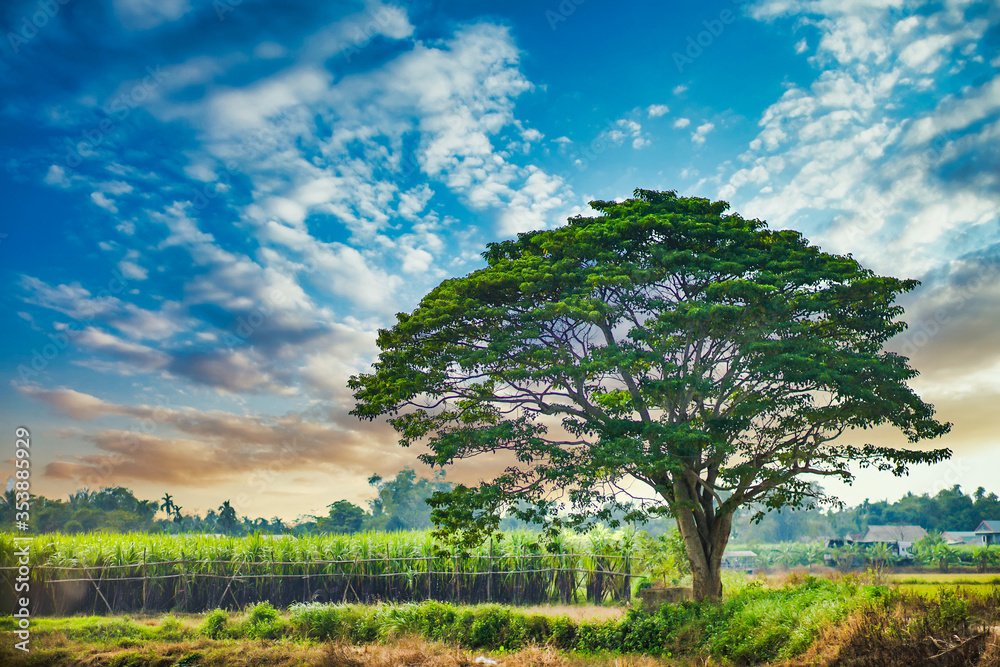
x: 663, y: 341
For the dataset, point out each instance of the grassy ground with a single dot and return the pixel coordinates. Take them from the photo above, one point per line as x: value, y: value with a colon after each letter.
x: 804, y: 622
x: 929, y: 590
x: 177, y: 640
x: 944, y: 578
x: 929, y: 584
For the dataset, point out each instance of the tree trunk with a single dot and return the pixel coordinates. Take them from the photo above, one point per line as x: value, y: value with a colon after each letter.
x: 705, y: 541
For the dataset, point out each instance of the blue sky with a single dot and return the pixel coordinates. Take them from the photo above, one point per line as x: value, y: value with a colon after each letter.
x: 210, y: 208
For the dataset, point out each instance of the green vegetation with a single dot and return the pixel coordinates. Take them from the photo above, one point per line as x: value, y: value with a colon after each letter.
x: 949, y: 578
x: 399, y: 504
x: 673, y: 343
x: 196, y: 572
x: 948, y: 510
x: 752, y: 625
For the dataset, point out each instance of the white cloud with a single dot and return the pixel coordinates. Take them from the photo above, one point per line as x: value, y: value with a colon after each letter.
x: 532, y: 135
x: 626, y: 128
x: 136, y: 356
x: 132, y: 270
x: 146, y: 14
x: 56, y: 175
x: 104, y: 202
x: 679, y: 89
x: 657, y: 110
x: 698, y: 136
x: 843, y: 162
x: 269, y: 50
x: 682, y: 122
x: 957, y: 113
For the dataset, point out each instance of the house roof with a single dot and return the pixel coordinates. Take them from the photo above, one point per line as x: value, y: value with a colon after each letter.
x: 959, y: 536
x: 739, y: 554
x: 990, y: 526
x: 893, y: 534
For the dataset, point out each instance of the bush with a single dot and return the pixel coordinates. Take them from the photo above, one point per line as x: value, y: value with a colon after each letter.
x: 215, y: 624
x: 495, y: 627
x: 170, y: 629
x: 752, y: 625
x: 262, y: 621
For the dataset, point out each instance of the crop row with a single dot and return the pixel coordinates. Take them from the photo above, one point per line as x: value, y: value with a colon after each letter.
x: 127, y: 572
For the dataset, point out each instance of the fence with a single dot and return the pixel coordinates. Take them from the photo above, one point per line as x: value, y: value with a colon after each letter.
x: 196, y: 585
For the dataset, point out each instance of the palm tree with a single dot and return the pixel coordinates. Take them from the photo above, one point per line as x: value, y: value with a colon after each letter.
x: 983, y: 558
x: 879, y: 556
x: 945, y: 556
x: 813, y: 554
x: 847, y: 555
x: 178, y: 519
x: 787, y: 556
x: 227, y: 520
x: 168, y: 503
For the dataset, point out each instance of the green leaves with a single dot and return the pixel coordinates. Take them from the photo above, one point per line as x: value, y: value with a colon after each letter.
x: 662, y: 340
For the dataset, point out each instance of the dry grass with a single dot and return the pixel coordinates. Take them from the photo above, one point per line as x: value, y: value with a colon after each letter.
x: 577, y: 612
x: 414, y: 652
x: 904, y: 637
x: 58, y: 651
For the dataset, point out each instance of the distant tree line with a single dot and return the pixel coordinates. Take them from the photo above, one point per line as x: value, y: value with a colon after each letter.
x: 399, y: 505
x: 948, y: 510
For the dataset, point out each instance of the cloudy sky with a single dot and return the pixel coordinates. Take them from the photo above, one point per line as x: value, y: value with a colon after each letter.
x: 209, y: 208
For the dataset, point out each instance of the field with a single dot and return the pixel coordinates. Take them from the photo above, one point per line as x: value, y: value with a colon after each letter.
x: 807, y: 622
x: 155, y: 572
x: 929, y: 584
x: 391, y: 598
x: 966, y: 578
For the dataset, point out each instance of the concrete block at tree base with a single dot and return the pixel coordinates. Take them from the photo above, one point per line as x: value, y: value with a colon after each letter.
x: 652, y: 598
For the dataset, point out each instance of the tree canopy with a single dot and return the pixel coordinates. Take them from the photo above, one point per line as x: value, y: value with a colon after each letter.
x: 661, y: 340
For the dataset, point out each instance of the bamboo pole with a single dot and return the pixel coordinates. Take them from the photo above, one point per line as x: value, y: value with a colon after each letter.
x: 98, y: 588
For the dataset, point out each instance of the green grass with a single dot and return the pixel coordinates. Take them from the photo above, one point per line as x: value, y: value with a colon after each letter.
x: 753, y: 624
x: 929, y: 590
x: 967, y: 578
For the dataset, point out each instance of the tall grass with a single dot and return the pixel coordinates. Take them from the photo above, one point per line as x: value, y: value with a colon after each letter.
x: 138, y: 571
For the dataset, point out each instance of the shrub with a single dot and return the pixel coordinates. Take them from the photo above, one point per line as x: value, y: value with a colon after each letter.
x: 215, y: 623
x: 262, y: 621
x: 562, y: 633
x: 494, y: 627
x: 170, y: 629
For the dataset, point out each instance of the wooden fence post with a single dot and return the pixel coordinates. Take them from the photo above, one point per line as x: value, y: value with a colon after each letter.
x: 183, y: 590
x: 144, y: 580
x: 489, y: 577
